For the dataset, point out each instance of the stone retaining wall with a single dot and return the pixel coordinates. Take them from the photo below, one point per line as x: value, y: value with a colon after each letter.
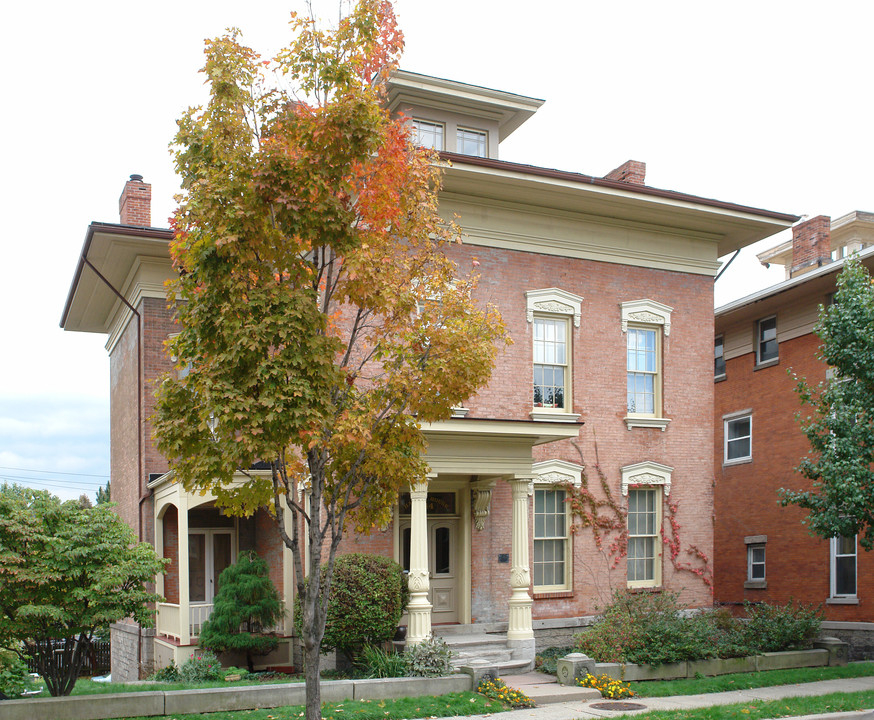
x: 177, y: 702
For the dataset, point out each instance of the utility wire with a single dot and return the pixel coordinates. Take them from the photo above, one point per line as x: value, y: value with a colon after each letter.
x: 52, y: 472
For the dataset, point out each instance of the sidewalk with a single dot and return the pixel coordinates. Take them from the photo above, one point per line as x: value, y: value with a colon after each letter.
x: 555, y: 707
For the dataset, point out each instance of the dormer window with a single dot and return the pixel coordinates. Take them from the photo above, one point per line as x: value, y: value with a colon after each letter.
x: 471, y: 142
x: 428, y: 134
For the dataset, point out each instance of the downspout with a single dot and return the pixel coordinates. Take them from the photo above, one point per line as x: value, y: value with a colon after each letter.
x: 725, y: 267
x: 144, y: 495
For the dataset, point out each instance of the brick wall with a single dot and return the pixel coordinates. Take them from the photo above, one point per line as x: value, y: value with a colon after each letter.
x: 797, y: 565
x: 171, y: 551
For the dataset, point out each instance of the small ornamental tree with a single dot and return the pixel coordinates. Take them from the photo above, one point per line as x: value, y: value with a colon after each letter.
x: 840, y: 427
x: 319, y: 315
x: 368, y: 597
x: 247, y: 604
x: 65, y: 571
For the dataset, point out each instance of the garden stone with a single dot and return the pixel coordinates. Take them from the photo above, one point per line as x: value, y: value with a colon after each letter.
x: 838, y: 650
x: 573, y: 666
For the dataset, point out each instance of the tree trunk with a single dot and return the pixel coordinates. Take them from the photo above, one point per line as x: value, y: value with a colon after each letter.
x: 311, y: 663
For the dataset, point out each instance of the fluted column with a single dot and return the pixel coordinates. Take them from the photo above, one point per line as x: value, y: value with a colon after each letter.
x: 520, y: 625
x: 419, y: 609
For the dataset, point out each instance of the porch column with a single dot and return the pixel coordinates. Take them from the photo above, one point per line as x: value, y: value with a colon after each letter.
x: 419, y: 609
x: 184, y: 598
x: 520, y: 626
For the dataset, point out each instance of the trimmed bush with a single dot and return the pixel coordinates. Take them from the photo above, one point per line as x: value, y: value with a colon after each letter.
x: 368, y: 596
x: 771, y: 628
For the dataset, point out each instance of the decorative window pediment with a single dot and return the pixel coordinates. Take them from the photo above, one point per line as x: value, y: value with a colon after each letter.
x: 553, y: 300
x: 558, y: 471
x: 648, y: 312
x: 647, y: 473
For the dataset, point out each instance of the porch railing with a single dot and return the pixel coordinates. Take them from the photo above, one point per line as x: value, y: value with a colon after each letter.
x: 169, y: 617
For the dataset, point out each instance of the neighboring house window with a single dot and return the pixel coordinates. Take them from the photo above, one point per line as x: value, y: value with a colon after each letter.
x: 643, y: 371
x: 766, y: 340
x: 719, y: 358
x: 644, y: 521
x: 428, y: 134
x: 550, y: 363
x: 645, y: 323
x: 756, y: 562
x: 471, y: 142
x: 843, y: 567
x: 738, y: 438
x: 551, y: 539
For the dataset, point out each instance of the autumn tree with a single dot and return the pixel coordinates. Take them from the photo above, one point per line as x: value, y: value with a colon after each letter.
x: 66, y: 571
x: 320, y: 319
x: 840, y: 426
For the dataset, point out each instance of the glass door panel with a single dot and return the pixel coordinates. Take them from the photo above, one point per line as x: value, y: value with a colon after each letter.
x: 221, y: 557
x: 197, y: 567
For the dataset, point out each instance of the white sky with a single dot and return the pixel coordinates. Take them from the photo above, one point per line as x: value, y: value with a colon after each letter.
x: 760, y: 103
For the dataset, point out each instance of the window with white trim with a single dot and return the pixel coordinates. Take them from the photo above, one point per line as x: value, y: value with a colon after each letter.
x: 644, y: 560
x: 428, y: 134
x: 646, y: 324
x: 738, y: 438
x: 471, y: 142
x: 642, y: 360
x: 766, y: 340
x: 756, y: 562
x: 551, y: 363
x: 550, y: 565
x: 843, y: 567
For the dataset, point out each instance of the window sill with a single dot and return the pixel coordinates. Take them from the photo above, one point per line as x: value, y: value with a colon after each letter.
x: 553, y: 416
x: 842, y: 601
x: 719, y: 378
x: 738, y: 461
x: 646, y: 422
x: 756, y: 585
x: 552, y: 594
x: 766, y: 364
x: 639, y: 589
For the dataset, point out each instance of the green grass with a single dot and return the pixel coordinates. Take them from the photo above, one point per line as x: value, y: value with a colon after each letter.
x: 452, y: 705
x: 84, y: 686
x: 758, y: 710
x: 744, y: 681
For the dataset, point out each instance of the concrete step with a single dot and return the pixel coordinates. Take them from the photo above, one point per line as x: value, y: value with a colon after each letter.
x: 544, y: 689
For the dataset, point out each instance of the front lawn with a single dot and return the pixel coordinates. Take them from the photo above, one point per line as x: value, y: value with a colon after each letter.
x: 745, y: 681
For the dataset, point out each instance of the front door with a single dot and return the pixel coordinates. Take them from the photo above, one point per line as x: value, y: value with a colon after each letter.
x: 443, y: 569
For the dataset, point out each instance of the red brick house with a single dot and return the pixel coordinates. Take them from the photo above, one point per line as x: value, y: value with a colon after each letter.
x: 761, y: 550
x: 606, y: 286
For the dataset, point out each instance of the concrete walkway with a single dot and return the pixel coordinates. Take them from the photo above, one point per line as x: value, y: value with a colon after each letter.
x: 555, y: 702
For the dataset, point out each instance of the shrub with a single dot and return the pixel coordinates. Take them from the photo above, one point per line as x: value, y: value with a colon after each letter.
x: 201, y: 667
x: 246, y: 604
x: 374, y: 662
x: 771, y: 628
x: 14, y: 678
x: 546, y: 661
x: 497, y: 690
x: 368, y: 597
x: 169, y: 673
x: 429, y: 658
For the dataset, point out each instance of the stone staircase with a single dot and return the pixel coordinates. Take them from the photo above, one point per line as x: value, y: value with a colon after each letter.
x: 486, y: 646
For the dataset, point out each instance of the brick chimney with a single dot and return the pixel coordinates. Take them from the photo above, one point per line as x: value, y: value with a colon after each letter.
x: 135, y: 203
x: 632, y: 171
x: 811, y: 245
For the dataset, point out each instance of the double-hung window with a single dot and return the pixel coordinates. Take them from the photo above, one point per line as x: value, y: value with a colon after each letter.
x: 550, y: 363
x: 738, y: 434
x: 428, y: 134
x: 766, y: 340
x: 551, y: 539
x: 843, y: 568
x: 644, y: 546
x: 642, y: 360
x: 756, y: 579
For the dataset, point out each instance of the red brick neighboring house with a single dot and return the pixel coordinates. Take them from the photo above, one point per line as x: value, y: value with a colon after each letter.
x: 762, y: 550
x: 606, y: 286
